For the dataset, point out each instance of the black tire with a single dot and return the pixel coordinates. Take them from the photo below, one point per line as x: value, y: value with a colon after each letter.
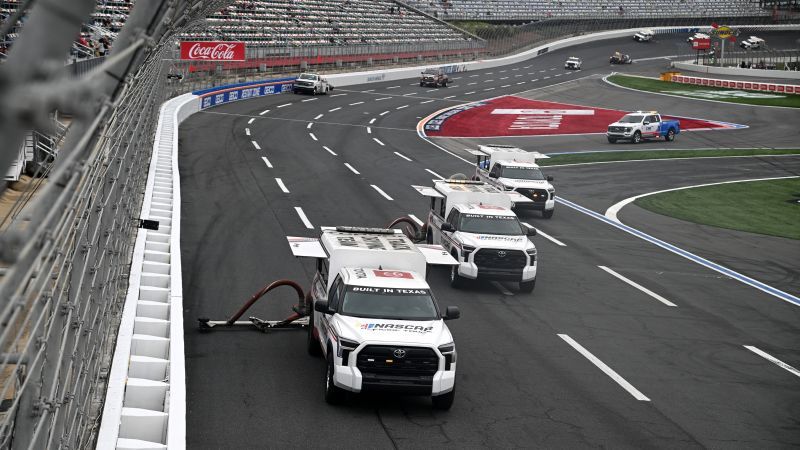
x: 456, y: 280
x: 445, y: 401
x: 527, y: 286
x: 548, y: 213
x: 444, y: 84
x: 670, y: 135
x: 312, y: 343
x: 637, y: 137
x: 612, y: 140
x: 294, y: 91
x: 333, y: 394
x: 422, y: 85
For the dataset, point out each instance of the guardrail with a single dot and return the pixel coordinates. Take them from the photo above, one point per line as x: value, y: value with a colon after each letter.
x: 738, y: 84
x: 145, y: 403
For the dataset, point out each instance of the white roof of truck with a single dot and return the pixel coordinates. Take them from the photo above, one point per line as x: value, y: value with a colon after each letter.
x: 479, y: 208
x: 401, y: 279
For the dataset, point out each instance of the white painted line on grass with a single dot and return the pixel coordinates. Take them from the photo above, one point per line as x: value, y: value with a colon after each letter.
x: 401, y: 107
x: 378, y: 141
x: 502, y: 289
x: 309, y: 125
x: 318, y: 116
x: 369, y: 130
x: 255, y: 144
x: 313, y: 137
x: 384, y: 113
x: 434, y: 174
x: 607, y: 370
x: 545, y: 235
x: 281, y: 185
x: 426, y: 101
x: 303, y: 217
x: 266, y: 161
x: 247, y: 131
x: 284, y: 105
x: 263, y: 112
x: 639, y: 287
x: 337, y: 95
x: 416, y: 219
x: 356, y: 103
x: 380, y: 191
x: 773, y: 360
x: 373, y: 120
x: 329, y: 150
x: 251, y: 120
x: 309, y: 100
x: 335, y: 109
x: 352, y: 169
x: 402, y: 156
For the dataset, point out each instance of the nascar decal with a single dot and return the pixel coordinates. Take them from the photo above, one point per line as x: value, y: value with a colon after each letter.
x: 484, y: 237
x: 372, y: 326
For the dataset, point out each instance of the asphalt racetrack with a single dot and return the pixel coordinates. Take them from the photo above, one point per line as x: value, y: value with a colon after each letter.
x: 256, y: 171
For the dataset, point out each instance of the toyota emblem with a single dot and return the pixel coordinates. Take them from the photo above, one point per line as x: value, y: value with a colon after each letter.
x: 399, y: 353
x: 501, y: 253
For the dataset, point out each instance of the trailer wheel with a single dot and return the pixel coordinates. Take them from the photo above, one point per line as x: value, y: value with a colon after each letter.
x: 333, y: 394
x: 445, y: 401
x: 312, y: 343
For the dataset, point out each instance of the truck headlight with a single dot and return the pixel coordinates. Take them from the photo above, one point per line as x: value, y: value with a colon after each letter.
x: 449, y: 353
x: 466, y: 250
x: 531, y: 254
x: 345, y: 348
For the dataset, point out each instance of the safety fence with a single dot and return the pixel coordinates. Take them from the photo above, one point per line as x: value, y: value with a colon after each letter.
x: 738, y: 84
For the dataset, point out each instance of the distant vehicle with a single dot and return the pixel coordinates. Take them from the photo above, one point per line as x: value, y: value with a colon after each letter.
x: 697, y: 36
x: 638, y: 126
x: 573, y: 63
x: 644, y: 36
x: 311, y: 82
x: 434, y: 78
x: 752, y: 43
x: 174, y: 76
x: 619, y: 58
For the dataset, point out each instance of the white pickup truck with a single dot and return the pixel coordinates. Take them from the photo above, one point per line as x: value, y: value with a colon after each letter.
x: 373, y: 316
x: 644, y: 36
x: 639, y: 126
x: 311, y: 82
x: 515, y: 170
x: 474, y: 222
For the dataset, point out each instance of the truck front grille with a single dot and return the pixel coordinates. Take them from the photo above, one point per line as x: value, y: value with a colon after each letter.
x: 616, y: 129
x: 382, y: 360
x: 537, y: 195
x: 500, y: 259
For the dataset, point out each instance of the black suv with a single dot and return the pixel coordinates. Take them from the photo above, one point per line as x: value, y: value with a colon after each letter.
x: 433, y: 77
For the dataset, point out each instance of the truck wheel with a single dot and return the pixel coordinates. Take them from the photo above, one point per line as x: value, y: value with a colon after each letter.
x: 456, y: 280
x: 445, y: 401
x: 637, y: 137
x: 333, y: 394
x: 527, y: 286
x: 612, y: 140
x: 670, y: 135
x: 421, y: 84
x: 444, y: 84
x: 312, y: 343
x: 548, y: 213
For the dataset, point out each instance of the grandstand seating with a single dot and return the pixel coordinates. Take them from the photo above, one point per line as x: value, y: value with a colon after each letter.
x: 543, y: 9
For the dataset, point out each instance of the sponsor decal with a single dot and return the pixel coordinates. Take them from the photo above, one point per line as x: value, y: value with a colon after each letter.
x: 484, y: 237
x: 380, y: 77
x: 393, y: 274
x: 542, y: 51
x: 436, y: 123
x: 713, y: 94
x: 490, y: 216
x: 402, y: 327
x: 212, y: 51
x: 388, y: 291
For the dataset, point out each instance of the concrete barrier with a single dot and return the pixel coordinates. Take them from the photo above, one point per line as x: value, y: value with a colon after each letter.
x: 738, y: 84
x: 761, y: 73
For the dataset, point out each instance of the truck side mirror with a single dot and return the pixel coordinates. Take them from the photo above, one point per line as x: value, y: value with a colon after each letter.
x: 321, y: 306
x: 531, y: 232
x: 550, y: 178
x: 448, y: 227
x: 492, y: 175
x: 451, y: 312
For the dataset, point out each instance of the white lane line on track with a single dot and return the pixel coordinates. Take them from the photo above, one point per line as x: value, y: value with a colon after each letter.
x: 473, y: 83
x: 383, y: 98
x: 303, y: 217
x: 431, y: 90
x: 410, y: 93
x: 505, y: 86
x: 369, y: 90
x: 378, y: 141
x: 369, y: 130
x: 504, y: 71
x: 489, y: 89
x: 266, y: 161
x: 335, y: 109
x: 473, y: 76
x: 542, y: 71
x: 557, y: 75
x: 521, y: 82
x: 309, y: 100
x: 356, y: 103
x: 318, y: 116
x: 502, y: 289
x: 454, y: 86
x: 546, y: 78
x: 531, y: 73
x: 384, y: 113
x: 329, y: 150
x: 455, y: 78
x: 527, y: 67
x: 545, y: 235
x: 516, y: 68
x: 251, y: 120
x: 504, y: 78
x: 534, y: 80
x: 284, y: 105
x: 263, y: 112
x: 247, y: 131
x: 426, y: 101
x: 412, y: 84
x: 392, y: 87
x: 553, y: 68
x: 313, y: 137
x: 281, y: 185
x: 518, y: 75
x: 487, y: 81
x: 337, y: 95
x: 773, y: 360
x: 489, y: 73
x: 638, y: 286
x: 401, y: 107
x: 469, y: 93
x: 402, y: 156
x: 255, y: 144
x: 309, y: 125
x: 416, y: 219
x: 373, y: 120
x: 434, y: 174
x: 607, y: 370
x: 352, y: 169
x: 380, y: 191
x: 449, y: 96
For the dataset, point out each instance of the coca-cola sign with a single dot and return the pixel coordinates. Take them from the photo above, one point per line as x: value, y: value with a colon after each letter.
x: 212, y: 51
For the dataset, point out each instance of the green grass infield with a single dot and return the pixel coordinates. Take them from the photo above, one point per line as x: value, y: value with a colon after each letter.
x: 707, y: 92
x: 766, y: 207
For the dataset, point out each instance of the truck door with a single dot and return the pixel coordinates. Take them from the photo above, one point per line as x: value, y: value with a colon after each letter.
x: 653, y: 126
x: 447, y: 236
x: 321, y: 320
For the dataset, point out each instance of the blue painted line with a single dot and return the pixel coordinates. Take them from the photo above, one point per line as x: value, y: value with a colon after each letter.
x: 688, y: 255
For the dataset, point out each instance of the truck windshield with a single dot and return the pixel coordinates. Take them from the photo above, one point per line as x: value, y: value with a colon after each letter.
x: 306, y: 76
x: 389, y: 303
x: 489, y: 224
x: 522, y: 173
x: 631, y: 119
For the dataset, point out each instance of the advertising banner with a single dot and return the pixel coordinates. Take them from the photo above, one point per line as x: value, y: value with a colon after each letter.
x: 212, y: 51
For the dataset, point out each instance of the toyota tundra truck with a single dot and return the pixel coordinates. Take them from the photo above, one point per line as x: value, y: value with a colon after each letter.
x: 373, y: 316
x: 433, y: 78
x: 311, y: 82
x: 637, y: 126
x: 513, y: 169
x: 474, y: 222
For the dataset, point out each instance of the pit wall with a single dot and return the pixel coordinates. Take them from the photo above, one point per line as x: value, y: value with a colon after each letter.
x: 760, y: 73
x: 738, y: 84
x: 145, y: 404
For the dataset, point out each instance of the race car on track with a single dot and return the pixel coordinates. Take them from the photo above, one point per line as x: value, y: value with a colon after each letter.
x: 638, y: 126
x: 433, y: 78
x: 311, y: 82
x: 573, y: 63
x: 474, y: 222
x: 644, y: 36
x: 619, y: 58
x: 373, y: 316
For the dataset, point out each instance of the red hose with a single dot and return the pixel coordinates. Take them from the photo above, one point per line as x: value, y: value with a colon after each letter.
x: 300, y: 300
